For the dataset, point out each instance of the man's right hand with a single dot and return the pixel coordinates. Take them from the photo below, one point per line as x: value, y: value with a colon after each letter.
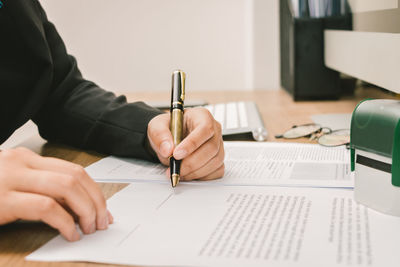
x: 51, y: 190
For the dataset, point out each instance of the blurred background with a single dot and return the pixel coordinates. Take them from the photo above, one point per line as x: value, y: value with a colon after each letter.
x: 134, y: 45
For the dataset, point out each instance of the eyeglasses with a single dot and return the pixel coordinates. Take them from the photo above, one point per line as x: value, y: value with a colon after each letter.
x: 324, y: 135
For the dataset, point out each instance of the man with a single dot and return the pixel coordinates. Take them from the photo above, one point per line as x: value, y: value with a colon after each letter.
x: 40, y: 81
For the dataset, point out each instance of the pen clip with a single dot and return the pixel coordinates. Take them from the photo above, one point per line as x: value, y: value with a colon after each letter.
x: 183, y: 80
x: 178, y: 87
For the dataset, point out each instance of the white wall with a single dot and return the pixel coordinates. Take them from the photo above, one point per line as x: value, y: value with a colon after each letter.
x: 372, y: 5
x: 128, y: 45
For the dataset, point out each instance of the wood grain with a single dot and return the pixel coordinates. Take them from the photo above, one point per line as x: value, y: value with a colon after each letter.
x: 277, y: 108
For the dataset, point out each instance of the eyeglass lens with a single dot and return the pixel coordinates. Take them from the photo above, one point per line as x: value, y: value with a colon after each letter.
x: 335, y: 138
x: 301, y: 130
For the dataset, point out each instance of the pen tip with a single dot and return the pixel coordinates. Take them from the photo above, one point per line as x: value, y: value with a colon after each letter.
x: 174, y: 179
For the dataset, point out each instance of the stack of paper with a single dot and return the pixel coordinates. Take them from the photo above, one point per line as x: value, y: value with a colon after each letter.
x: 248, y: 163
x: 209, y: 225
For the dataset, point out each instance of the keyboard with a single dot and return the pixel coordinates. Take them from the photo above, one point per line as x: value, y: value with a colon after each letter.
x: 239, y: 118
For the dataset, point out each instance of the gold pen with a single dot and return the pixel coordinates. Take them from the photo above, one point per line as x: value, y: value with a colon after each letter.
x: 176, y: 122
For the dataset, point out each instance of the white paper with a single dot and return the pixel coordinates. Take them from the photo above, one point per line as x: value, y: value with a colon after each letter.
x: 248, y: 163
x: 335, y: 121
x: 22, y: 134
x: 235, y: 226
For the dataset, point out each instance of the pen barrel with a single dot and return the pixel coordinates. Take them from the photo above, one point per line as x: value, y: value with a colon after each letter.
x: 176, y: 125
x: 176, y: 121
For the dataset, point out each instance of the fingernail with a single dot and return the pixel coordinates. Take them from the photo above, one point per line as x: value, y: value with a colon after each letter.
x: 92, y: 228
x: 180, y: 154
x: 76, y: 236
x: 165, y: 148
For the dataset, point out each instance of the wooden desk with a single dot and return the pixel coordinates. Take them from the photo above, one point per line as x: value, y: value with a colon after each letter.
x: 277, y: 108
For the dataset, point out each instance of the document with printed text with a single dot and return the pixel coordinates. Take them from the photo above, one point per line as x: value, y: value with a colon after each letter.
x: 248, y: 163
x: 235, y: 226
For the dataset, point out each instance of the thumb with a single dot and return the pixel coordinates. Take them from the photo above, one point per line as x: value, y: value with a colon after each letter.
x: 159, y: 136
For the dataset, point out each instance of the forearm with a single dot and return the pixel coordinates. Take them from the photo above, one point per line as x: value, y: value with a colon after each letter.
x: 91, y: 118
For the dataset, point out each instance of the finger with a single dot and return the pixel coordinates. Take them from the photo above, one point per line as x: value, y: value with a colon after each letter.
x: 212, y: 166
x: 35, y: 161
x: 61, y: 186
x: 164, y: 160
x: 200, y: 134
x: 28, y: 206
x: 159, y: 135
x: 201, y: 156
x: 88, y: 184
x: 65, y: 206
x: 219, y: 173
x: 110, y: 217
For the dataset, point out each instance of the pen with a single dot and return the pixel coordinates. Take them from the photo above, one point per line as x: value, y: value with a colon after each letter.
x: 176, y: 122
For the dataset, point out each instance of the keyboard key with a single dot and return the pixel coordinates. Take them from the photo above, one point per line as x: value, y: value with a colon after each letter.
x: 239, y: 117
x: 231, y: 116
x: 242, y: 115
x: 219, y: 114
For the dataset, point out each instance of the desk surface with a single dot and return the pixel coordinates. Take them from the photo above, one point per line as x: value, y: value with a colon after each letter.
x: 279, y: 112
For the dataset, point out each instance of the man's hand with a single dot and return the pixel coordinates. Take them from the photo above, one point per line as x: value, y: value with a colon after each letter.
x: 51, y: 190
x: 202, y: 149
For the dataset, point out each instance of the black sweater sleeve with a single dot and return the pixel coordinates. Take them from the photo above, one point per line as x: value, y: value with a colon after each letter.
x: 79, y: 113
